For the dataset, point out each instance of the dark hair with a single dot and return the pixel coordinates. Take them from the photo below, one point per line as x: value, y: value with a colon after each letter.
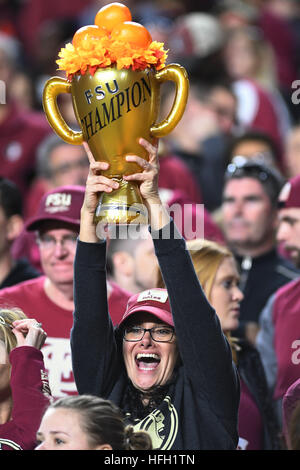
x: 253, y: 136
x: 103, y: 423
x: 271, y: 180
x: 122, y: 242
x: 10, y: 198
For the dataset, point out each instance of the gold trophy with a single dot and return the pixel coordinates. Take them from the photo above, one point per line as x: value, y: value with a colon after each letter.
x: 114, y: 108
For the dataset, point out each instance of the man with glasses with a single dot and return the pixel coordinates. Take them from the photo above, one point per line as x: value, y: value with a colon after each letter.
x: 58, y: 164
x: 49, y: 298
x: 249, y: 216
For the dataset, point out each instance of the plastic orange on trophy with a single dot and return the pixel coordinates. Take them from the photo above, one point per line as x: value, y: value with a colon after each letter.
x: 133, y: 33
x: 112, y: 14
x: 86, y: 32
x: 115, y: 89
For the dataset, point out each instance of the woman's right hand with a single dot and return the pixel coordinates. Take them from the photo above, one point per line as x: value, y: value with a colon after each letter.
x: 29, y: 332
x: 96, y: 183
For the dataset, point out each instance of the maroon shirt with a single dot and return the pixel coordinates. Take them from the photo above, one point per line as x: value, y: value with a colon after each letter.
x: 192, y: 219
x: 30, y: 296
x: 286, y: 319
x: 31, y: 396
x: 279, y: 34
x: 290, y: 402
x: 175, y: 174
x: 250, y: 421
x: 20, y: 134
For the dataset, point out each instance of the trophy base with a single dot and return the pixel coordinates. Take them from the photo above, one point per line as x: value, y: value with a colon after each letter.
x: 123, y: 206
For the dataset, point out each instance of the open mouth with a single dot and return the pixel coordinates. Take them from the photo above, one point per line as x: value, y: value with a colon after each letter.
x: 147, y: 361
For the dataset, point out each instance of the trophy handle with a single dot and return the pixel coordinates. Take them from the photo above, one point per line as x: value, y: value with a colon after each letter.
x: 177, y: 74
x: 53, y: 87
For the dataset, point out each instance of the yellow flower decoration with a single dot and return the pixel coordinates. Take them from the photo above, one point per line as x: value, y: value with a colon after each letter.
x: 104, y: 52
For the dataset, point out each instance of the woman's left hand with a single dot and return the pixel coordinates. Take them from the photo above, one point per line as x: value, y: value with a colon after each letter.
x: 148, y: 178
x: 29, y: 332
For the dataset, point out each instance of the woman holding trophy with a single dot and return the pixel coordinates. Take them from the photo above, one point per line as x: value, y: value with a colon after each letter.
x: 169, y: 369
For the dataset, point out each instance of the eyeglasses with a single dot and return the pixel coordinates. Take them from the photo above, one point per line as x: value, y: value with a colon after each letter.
x: 47, y: 242
x: 160, y: 334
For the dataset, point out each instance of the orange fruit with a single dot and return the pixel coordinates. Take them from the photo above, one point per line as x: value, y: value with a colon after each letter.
x: 88, y: 32
x: 133, y: 33
x: 112, y: 14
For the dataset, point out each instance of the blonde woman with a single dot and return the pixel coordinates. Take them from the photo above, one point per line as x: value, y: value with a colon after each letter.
x: 218, y: 275
x: 24, y: 388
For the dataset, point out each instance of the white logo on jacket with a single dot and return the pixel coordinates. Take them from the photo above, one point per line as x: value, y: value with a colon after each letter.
x: 57, y: 358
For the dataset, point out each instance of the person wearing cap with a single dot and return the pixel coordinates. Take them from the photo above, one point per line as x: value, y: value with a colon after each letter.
x: 289, y: 219
x: 168, y: 365
x: 49, y: 298
x: 278, y: 339
x: 58, y: 164
x: 249, y: 221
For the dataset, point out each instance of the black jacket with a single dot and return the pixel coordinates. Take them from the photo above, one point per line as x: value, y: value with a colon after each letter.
x: 199, y: 409
x: 22, y: 271
x: 260, y: 278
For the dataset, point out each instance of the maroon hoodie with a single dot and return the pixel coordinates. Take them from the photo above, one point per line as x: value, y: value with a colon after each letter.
x: 286, y: 336
x: 31, y: 396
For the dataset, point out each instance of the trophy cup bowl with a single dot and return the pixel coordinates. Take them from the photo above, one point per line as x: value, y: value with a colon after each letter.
x: 114, y: 108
